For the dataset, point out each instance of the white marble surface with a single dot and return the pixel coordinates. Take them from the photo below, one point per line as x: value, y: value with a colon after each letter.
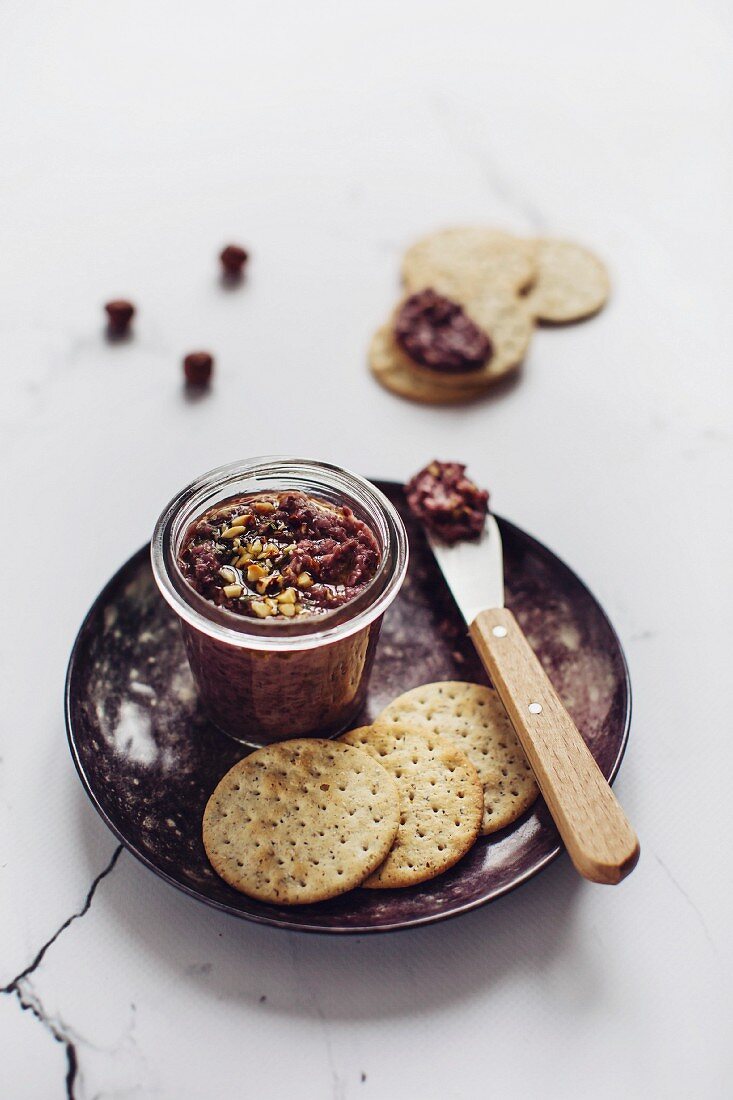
x: 138, y: 138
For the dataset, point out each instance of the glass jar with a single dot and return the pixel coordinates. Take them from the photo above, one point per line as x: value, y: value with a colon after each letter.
x: 262, y: 680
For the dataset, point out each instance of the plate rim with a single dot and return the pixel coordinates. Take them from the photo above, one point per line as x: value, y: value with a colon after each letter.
x: 317, y: 929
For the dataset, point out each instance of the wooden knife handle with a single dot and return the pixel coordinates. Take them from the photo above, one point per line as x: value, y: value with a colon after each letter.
x: 601, y: 842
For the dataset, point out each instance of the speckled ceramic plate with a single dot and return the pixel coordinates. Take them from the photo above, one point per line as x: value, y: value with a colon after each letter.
x: 149, y: 759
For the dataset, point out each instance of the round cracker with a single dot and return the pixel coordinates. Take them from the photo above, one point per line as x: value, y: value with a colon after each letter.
x: 441, y: 802
x: 467, y: 261
x: 396, y: 372
x: 473, y: 716
x: 571, y: 283
x: 301, y: 821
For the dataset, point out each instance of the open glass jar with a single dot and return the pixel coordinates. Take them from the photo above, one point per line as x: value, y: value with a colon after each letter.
x: 267, y: 680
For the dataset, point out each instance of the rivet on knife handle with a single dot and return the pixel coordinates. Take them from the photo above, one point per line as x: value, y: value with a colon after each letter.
x: 599, y: 839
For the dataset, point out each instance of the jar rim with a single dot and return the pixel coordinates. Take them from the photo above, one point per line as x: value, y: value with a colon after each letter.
x: 234, y: 630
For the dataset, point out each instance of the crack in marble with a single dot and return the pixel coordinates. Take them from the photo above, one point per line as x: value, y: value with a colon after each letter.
x: 681, y: 890
x: 455, y: 124
x: 338, y: 1086
x: 38, y: 959
x: 21, y: 986
x: 29, y: 1001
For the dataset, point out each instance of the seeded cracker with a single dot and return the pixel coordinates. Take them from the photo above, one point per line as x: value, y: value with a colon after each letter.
x: 301, y: 821
x: 440, y: 802
x: 464, y: 262
x: 473, y: 717
x: 572, y: 283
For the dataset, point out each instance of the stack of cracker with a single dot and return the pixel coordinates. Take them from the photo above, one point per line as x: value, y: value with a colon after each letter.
x: 388, y: 805
x: 505, y: 285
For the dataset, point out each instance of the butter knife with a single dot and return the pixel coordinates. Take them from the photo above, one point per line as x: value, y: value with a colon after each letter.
x: 599, y: 839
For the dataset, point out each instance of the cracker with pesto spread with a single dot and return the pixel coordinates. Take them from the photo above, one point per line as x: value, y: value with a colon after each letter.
x: 502, y: 317
x: 508, y: 326
x: 393, y: 370
x: 473, y: 297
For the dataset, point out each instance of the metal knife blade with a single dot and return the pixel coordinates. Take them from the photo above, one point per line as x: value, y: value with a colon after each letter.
x: 474, y: 570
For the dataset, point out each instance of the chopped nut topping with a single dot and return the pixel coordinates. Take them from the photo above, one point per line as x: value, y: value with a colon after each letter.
x: 287, y: 609
x: 228, y: 574
x: 255, y: 572
x: 261, y: 609
x: 232, y: 591
x: 268, y: 585
x: 304, y: 580
x: 232, y: 532
x: 288, y: 596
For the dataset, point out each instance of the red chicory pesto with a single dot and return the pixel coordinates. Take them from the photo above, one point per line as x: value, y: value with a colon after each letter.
x: 437, y: 333
x: 279, y: 555
x: 447, y: 502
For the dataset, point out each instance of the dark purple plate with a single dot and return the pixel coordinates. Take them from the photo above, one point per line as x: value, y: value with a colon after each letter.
x: 149, y: 759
